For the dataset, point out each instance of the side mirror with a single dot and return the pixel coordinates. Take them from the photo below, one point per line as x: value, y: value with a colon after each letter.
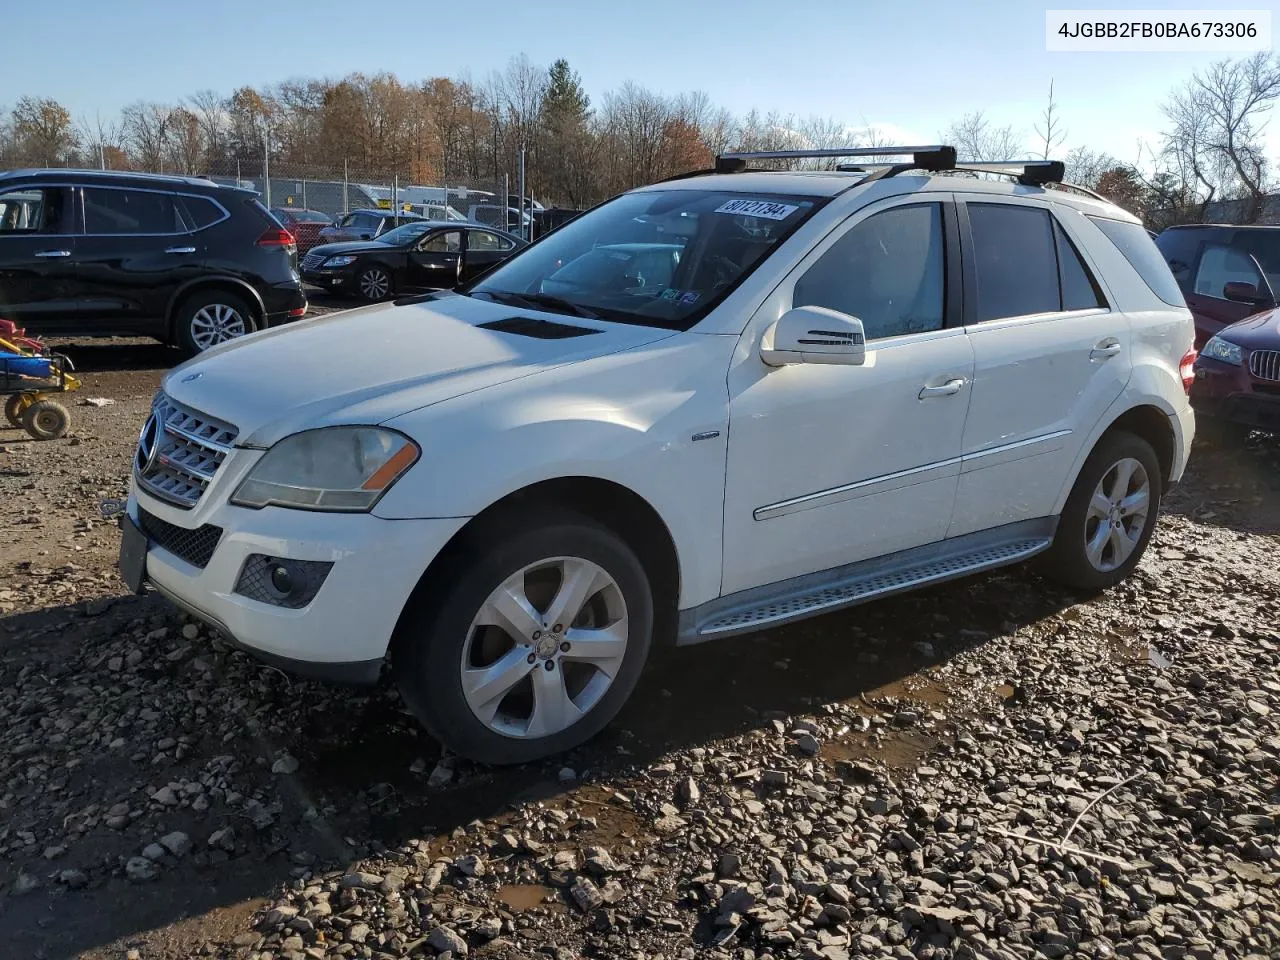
x: 814, y: 335
x: 1242, y: 291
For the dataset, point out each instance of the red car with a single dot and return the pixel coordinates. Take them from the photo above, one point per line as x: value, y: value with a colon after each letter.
x: 305, y: 225
x: 1237, y: 384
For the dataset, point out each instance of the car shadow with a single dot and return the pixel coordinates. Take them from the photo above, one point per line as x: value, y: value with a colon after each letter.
x: 361, y: 786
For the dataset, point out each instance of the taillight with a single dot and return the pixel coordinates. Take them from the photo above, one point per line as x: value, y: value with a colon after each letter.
x: 1187, y: 368
x: 277, y: 237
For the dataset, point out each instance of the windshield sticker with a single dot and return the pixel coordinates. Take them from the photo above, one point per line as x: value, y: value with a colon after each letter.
x: 671, y: 293
x: 766, y: 209
x: 690, y: 296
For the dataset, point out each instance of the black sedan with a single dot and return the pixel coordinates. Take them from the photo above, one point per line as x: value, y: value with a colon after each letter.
x: 423, y: 255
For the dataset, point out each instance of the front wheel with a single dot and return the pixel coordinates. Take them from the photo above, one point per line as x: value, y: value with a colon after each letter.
x: 46, y: 420
x: 374, y: 283
x: 532, y: 645
x: 1110, y: 515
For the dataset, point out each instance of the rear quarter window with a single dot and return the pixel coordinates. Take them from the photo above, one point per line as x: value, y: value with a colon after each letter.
x: 1136, y: 246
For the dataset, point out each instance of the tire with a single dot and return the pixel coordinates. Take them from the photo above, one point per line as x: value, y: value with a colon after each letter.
x: 46, y: 420
x: 13, y: 410
x: 1213, y: 432
x: 438, y: 640
x: 1069, y: 560
x: 209, y: 318
x: 374, y: 283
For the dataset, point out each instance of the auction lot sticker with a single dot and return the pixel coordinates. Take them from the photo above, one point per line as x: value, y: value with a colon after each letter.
x: 1157, y: 31
x: 766, y: 209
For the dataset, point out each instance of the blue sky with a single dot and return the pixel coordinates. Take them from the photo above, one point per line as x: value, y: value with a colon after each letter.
x: 910, y: 67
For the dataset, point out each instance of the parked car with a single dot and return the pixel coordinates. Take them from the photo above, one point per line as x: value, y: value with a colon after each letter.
x: 851, y: 386
x: 1237, y: 385
x: 366, y: 225
x: 493, y: 215
x: 436, y: 211
x: 94, y: 253
x: 305, y: 225
x: 423, y: 255
x: 1225, y: 272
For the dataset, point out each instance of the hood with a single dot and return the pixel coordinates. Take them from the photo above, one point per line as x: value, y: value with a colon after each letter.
x: 351, y: 246
x: 1259, y: 332
x: 371, y: 364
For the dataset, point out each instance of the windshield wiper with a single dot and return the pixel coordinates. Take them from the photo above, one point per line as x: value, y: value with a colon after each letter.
x: 558, y: 304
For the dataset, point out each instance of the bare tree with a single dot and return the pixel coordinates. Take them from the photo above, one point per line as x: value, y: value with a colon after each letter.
x: 1050, y: 130
x: 211, y: 109
x: 1218, y: 119
x: 146, y: 130
x: 1085, y: 167
x: 976, y: 140
x: 100, y: 140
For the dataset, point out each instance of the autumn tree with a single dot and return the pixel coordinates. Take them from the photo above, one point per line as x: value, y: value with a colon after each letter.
x: 1122, y: 187
x: 42, y: 132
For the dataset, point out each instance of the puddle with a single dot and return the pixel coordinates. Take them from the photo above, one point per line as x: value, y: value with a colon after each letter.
x: 918, y: 688
x: 525, y: 896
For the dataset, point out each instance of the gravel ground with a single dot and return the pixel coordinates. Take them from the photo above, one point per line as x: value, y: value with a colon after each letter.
x: 993, y: 768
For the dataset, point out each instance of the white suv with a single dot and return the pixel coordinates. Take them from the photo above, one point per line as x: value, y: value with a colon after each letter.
x: 706, y: 407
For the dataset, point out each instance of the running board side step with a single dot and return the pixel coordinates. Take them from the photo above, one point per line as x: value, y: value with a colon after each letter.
x: 814, y: 594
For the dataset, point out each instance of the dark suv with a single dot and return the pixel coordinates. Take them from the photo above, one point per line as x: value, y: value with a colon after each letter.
x: 1226, y: 272
x: 90, y: 253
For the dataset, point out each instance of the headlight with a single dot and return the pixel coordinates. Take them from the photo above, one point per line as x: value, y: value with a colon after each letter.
x: 333, y: 468
x: 1223, y: 350
x: 339, y: 261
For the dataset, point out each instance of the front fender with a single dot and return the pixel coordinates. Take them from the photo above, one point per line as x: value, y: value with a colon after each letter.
x: 628, y: 418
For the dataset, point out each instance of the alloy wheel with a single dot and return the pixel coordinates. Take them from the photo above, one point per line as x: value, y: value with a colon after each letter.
x: 1117, y: 515
x: 374, y: 284
x: 216, y: 323
x: 544, y: 647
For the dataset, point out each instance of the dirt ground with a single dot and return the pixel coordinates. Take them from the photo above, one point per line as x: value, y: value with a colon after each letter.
x: 128, y: 724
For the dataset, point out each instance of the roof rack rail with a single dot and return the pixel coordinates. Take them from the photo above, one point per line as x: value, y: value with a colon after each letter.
x: 935, y: 157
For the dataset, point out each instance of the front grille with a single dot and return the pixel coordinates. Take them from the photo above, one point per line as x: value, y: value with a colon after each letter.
x: 312, y: 260
x: 179, y: 451
x: 194, y: 546
x: 1265, y: 364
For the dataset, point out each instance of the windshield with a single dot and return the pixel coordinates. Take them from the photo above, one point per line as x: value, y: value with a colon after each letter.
x: 309, y: 216
x: 404, y: 234
x: 661, y: 258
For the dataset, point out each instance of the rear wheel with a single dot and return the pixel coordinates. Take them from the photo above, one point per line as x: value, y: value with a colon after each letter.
x: 1110, y: 515
x: 374, y: 283
x: 210, y: 318
x: 46, y: 420
x: 532, y: 645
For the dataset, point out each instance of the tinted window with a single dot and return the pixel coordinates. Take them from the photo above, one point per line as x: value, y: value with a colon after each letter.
x: 309, y: 216
x: 365, y: 221
x: 1133, y: 241
x: 1014, y: 257
x: 888, y: 271
x: 483, y: 240
x: 201, y: 212
x: 35, y: 210
x: 1264, y: 245
x: 1179, y: 247
x: 1079, y: 290
x: 1220, y: 265
x: 130, y: 211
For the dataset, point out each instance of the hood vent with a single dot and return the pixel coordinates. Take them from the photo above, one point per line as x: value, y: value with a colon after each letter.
x: 538, y: 329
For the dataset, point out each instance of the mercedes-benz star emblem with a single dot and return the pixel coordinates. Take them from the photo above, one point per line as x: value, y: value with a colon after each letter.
x: 148, y: 444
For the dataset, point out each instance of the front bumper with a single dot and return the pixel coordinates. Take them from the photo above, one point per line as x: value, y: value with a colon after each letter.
x: 343, y: 633
x: 332, y: 278
x: 1228, y: 392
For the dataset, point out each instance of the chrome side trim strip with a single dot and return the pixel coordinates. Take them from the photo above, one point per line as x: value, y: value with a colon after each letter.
x: 847, y: 491
x: 1016, y: 445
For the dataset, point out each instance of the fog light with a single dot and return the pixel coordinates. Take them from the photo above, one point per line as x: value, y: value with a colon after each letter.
x: 280, y: 581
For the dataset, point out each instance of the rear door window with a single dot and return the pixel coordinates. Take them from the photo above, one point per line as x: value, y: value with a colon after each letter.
x: 1015, y: 261
x: 1079, y: 289
x: 111, y: 212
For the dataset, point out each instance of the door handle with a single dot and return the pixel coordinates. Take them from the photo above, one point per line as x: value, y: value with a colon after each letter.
x: 1104, y: 349
x: 54, y: 253
x: 947, y: 389
x: 180, y: 250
